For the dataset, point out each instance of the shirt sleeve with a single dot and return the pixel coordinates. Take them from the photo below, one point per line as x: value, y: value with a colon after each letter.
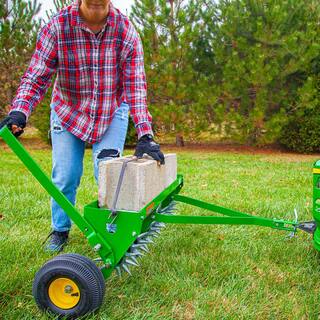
x: 135, y: 87
x: 37, y: 79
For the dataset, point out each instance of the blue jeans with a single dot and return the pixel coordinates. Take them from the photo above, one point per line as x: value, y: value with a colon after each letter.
x: 67, y: 159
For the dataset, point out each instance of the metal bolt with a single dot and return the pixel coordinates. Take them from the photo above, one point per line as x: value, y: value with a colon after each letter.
x: 134, y: 233
x: 108, y: 264
x: 142, y: 217
x: 86, y: 229
x: 97, y: 247
x: 68, y: 289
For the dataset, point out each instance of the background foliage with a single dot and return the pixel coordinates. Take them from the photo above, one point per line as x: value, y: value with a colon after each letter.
x: 237, y: 70
x: 18, y: 30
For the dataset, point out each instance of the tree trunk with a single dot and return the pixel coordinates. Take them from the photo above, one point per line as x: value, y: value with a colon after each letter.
x: 179, y: 140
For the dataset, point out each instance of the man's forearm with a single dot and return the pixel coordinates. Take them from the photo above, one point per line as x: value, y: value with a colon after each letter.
x: 28, y: 96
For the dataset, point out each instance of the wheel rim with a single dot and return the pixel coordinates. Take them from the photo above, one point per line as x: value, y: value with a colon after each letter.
x: 64, y: 293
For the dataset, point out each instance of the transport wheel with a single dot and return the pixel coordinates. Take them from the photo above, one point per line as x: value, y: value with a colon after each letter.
x: 69, y: 285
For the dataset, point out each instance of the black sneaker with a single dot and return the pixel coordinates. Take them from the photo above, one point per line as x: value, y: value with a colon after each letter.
x: 56, y: 241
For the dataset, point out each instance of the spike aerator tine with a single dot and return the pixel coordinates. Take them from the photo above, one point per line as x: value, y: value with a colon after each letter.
x: 126, y: 268
x: 118, y: 270
x: 131, y: 262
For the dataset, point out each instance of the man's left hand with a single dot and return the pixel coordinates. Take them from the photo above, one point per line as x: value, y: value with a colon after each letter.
x: 147, y: 145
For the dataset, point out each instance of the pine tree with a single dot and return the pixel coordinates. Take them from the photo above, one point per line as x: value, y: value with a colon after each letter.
x: 58, y: 5
x: 18, y: 30
x: 232, y: 67
x: 168, y: 30
x: 263, y: 52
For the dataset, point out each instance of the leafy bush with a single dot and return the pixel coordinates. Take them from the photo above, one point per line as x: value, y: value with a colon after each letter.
x: 301, y: 134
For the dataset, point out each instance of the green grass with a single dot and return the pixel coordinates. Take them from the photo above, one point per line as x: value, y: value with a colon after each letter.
x: 192, y: 272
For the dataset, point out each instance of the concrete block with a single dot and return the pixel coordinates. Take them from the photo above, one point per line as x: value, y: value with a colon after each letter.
x: 143, y: 181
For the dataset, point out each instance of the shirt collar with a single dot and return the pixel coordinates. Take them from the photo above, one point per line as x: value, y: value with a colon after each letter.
x: 76, y: 20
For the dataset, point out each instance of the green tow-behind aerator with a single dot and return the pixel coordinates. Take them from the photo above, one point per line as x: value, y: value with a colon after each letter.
x: 72, y: 285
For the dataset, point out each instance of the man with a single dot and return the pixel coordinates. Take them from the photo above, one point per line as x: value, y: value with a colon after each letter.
x: 98, y: 58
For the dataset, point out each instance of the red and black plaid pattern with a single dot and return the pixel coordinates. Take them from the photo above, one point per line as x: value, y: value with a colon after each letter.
x: 95, y: 74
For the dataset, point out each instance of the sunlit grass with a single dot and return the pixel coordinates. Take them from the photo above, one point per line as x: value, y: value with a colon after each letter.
x: 192, y: 272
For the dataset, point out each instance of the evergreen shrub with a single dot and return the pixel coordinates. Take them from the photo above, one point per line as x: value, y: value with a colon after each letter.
x: 301, y: 133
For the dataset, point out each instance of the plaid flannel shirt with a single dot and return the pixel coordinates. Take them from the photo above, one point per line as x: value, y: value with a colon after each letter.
x: 95, y: 74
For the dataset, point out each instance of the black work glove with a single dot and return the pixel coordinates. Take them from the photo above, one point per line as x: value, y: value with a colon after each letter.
x: 147, y: 145
x: 16, y: 122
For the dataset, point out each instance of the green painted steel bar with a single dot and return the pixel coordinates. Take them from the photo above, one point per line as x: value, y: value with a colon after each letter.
x: 265, y: 222
x: 316, y: 203
x: 209, y: 206
x: 234, y: 217
x: 43, y: 179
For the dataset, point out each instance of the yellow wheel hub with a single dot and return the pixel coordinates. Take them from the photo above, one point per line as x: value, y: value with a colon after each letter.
x: 64, y: 293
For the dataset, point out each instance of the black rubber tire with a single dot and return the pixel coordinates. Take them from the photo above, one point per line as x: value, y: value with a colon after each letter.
x: 83, y: 272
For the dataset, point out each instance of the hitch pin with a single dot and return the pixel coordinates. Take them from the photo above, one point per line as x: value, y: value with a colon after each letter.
x: 293, y: 233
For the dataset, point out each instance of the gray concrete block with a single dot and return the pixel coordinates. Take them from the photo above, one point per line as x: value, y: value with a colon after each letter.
x: 143, y: 181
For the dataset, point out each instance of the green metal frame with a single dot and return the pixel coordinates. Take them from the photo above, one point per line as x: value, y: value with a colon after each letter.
x: 232, y: 217
x: 111, y: 247
x: 316, y: 203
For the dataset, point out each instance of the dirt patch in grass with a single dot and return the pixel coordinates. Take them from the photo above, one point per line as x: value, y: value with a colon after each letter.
x: 269, y: 151
x: 29, y: 143
x: 34, y: 143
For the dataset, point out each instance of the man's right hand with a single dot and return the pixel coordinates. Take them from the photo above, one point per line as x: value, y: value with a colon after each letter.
x: 16, y: 122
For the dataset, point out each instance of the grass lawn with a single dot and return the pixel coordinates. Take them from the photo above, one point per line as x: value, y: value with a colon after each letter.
x: 192, y: 272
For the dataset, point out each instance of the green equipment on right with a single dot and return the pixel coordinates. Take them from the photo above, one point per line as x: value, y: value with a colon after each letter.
x: 316, y: 204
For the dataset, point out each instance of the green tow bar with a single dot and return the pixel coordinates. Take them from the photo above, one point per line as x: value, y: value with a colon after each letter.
x: 233, y: 217
x: 119, y: 239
